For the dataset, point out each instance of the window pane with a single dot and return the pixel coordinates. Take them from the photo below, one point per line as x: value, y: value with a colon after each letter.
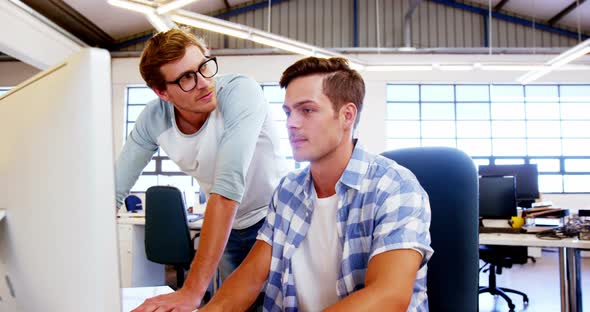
x: 438, y: 129
x: 130, y: 127
x: 439, y: 142
x: 144, y: 182
x: 403, y: 129
x: 573, y: 129
x: 574, y: 93
x: 403, y: 111
x: 546, y: 165
x: 438, y: 111
x: 507, y: 110
x: 437, y: 93
x: 140, y: 95
x: 481, y: 162
x: 473, y: 110
x: 274, y: 94
x: 508, y: 147
x: 576, y: 147
x: 151, y: 166
x: 169, y: 166
x: 544, y: 147
x: 575, y: 110
x: 508, y: 129
x: 277, y: 112
x: 473, y: 129
x: 541, y: 93
x: 162, y: 153
x: 576, y: 183
x: 181, y: 182
x: 509, y: 161
x: 393, y: 144
x: 403, y: 93
x: 550, y: 183
x: 506, y: 93
x: 543, y: 129
x: 542, y: 111
x: 577, y: 165
x: 468, y: 93
x: 475, y: 147
x: 134, y: 111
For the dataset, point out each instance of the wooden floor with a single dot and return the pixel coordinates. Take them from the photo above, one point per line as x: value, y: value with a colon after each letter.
x: 540, y: 281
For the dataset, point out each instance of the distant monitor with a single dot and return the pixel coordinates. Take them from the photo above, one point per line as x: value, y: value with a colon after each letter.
x: 527, y: 176
x: 497, y: 197
x: 58, y: 240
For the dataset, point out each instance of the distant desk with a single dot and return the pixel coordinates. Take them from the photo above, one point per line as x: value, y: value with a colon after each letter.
x: 569, y: 262
x: 136, y: 269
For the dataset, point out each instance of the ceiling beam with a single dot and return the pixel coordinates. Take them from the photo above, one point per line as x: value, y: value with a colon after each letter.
x: 552, y: 21
x: 500, y: 5
x: 72, y: 21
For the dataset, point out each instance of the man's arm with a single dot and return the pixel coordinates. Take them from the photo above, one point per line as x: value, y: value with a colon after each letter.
x: 389, y: 283
x: 242, y: 287
x: 216, y: 228
x: 131, y: 162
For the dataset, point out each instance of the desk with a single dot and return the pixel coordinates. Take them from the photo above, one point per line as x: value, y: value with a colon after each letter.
x: 136, y: 269
x: 133, y: 297
x: 569, y: 262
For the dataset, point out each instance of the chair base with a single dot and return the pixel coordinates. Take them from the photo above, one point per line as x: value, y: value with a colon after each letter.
x: 501, y: 291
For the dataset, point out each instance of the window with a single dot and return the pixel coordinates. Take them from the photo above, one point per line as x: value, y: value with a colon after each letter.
x: 548, y: 125
x: 3, y: 90
x: 162, y: 171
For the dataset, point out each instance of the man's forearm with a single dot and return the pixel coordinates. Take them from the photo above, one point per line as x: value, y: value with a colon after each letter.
x: 370, y: 299
x: 219, y: 217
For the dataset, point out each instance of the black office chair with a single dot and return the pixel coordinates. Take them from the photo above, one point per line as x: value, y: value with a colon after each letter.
x: 449, y: 177
x: 498, y: 257
x: 167, y: 236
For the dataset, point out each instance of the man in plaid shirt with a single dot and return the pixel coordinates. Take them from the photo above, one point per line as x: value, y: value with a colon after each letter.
x: 349, y: 232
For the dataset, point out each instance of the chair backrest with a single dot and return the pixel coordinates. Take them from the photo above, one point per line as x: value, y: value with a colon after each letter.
x: 133, y: 203
x: 449, y: 177
x: 167, y: 237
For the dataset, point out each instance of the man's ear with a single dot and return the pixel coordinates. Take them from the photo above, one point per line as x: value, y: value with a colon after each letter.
x: 163, y: 94
x: 348, y: 112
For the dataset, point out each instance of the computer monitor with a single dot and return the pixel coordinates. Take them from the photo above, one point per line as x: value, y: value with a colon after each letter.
x: 527, y: 176
x: 58, y: 240
x: 497, y: 197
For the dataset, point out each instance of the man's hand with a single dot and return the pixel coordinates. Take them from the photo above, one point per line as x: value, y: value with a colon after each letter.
x: 179, y: 301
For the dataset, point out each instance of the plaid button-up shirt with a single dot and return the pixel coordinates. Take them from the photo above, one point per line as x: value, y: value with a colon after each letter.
x: 381, y: 207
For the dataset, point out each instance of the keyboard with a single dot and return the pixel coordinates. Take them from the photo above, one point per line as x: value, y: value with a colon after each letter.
x: 501, y: 230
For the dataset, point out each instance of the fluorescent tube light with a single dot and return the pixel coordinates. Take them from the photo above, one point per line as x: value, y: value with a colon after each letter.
x: 577, y: 51
x: 171, y: 6
x: 159, y: 22
x: 386, y: 68
x: 218, y: 28
x: 133, y: 6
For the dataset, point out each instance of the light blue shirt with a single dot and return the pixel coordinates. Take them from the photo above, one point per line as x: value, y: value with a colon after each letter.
x: 382, y: 207
x: 234, y: 154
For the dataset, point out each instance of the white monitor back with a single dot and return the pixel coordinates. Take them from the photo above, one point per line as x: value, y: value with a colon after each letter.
x: 58, y: 240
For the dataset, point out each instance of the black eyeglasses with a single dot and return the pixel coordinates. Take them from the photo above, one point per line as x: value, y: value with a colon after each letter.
x: 188, y: 80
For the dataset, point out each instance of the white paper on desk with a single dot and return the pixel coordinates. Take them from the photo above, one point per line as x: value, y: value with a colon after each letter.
x: 495, y: 223
x: 135, y: 296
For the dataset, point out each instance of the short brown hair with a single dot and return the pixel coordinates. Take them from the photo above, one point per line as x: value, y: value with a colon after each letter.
x: 341, y: 83
x: 163, y: 48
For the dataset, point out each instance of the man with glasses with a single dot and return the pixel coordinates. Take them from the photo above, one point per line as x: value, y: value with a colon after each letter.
x: 217, y: 129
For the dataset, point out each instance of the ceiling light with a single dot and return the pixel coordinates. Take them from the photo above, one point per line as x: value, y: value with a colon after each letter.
x: 133, y: 6
x: 160, y: 23
x: 577, y: 51
x: 386, y: 68
x: 171, y: 6
x: 229, y: 30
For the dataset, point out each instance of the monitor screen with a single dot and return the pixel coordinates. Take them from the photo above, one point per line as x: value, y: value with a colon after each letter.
x: 58, y: 239
x: 527, y: 185
x: 497, y: 197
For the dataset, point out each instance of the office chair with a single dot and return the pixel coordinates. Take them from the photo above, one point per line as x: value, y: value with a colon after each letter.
x: 167, y: 236
x: 498, y: 257
x: 449, y: 177
x: 133, y: 203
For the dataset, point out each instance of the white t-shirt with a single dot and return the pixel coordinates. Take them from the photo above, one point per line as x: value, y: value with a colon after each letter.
x: 316, y: 263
